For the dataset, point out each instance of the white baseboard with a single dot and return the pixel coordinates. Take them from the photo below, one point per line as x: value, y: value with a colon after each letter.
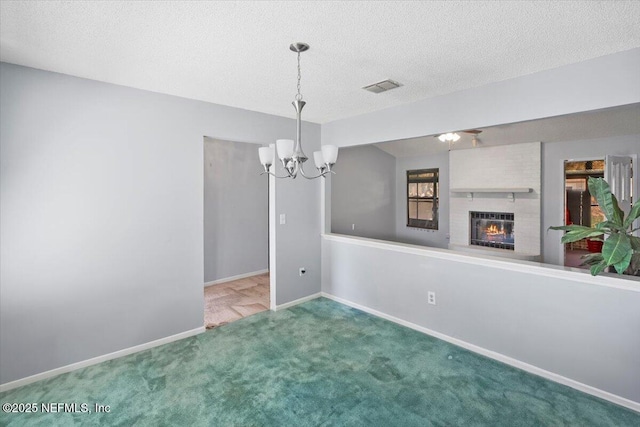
x: 238, y: 277
x: 93, y: 361
x: 298, y: 301
x: 635, y: 406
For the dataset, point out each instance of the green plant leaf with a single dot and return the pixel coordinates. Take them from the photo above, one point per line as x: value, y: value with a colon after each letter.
x: 599, y: 188
x: 621, y: 266
x: 598, y: 268
x: 591, y: 259
x: 572, y: 227
x: 575, y: 236
x: 618, y: 214
x: 577, y: 232
x: 565, y: 227
x: 634, y: 214
x: 607, y: 226
x: 616, y: 248
x: 620, y: 249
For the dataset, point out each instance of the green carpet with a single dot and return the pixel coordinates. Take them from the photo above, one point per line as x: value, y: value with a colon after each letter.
x: 316, y: 364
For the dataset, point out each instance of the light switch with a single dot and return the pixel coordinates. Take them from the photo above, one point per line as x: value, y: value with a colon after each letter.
x: 283, y: 219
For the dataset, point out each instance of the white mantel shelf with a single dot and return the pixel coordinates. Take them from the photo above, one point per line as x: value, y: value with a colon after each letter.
x: 510, y: 192
x: 491, y: 190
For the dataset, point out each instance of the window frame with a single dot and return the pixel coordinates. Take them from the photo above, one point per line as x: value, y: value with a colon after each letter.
x: 435, y: 179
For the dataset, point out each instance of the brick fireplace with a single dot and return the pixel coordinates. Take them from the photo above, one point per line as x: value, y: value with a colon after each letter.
x: 495, y: 200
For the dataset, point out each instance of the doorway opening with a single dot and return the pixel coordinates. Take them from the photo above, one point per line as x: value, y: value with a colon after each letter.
x: 232, y: 300
x: 236, y: 233
x: 581, y: 207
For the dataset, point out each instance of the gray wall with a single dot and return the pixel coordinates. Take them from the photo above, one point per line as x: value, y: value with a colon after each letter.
x: 364, y: 193
x: 602, y: 82
x: 236, y: 203
x: 553, y: 157
x: 369, y: 190
x: 580, y: 330
x: 435, y: 238
x: 101, y: 216
x: 586, y: 332
x: 298, y: 241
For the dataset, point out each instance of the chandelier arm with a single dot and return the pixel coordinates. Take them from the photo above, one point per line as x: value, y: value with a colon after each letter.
x: 276, y: 176
x: 322, y: 174
x: 290, y: 166
x: 292, y: 171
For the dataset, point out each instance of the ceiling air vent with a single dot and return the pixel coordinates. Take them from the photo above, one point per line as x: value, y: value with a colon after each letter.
x: 382, y: 86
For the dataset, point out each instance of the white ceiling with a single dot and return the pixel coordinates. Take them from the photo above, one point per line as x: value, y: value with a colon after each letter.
x: 618, y: 121
x: 236, y: 53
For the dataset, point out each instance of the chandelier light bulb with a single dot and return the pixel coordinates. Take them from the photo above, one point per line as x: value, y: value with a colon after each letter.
x: 285, y: 148
x: 266, y: 155
x: 318, y: 159
x: 330, y: 154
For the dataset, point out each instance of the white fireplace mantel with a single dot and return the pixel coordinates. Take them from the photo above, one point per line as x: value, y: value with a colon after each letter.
x: 510, y: 192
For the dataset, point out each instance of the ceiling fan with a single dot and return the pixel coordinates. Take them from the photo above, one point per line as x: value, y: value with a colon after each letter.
x: 452, y: 137
x: 474, y: 138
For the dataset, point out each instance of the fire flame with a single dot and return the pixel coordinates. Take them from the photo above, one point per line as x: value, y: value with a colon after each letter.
x: 493, y: 229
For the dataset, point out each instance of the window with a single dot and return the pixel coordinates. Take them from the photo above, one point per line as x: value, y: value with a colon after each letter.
x: 422, y: 198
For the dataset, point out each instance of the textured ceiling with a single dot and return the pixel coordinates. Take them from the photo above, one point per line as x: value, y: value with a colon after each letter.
x: 617, y: 121
x: 236, y: 53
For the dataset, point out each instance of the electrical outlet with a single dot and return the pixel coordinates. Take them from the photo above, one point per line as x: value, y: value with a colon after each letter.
x: 353, y: 226
x: 302, y: 271
x: 431, y: 297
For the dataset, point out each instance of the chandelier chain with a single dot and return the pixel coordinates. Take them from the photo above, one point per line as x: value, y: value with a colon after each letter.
x: 299, y: 95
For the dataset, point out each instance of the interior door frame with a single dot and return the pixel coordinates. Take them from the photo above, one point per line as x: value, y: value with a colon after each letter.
x: 564, y: 195
x: 635, y: 188
x: 272, y: 241
x: 271, y: 262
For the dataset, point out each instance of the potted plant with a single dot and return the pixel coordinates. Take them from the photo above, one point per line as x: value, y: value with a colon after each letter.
x: 594, y: 245
x: 620, y: 248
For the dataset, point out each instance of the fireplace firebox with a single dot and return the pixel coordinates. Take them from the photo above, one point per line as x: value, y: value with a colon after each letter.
x: 492, y: 229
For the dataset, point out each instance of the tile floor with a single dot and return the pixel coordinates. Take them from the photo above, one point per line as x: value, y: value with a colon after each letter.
x: 226, y: 302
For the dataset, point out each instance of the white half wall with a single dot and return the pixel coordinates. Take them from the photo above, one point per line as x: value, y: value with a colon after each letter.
x: 569, y: 323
